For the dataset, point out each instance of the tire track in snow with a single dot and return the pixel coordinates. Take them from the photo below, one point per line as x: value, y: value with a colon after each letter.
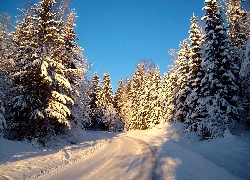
x: 108, y: 159
x: 153, y: 158
x: 124, y: 158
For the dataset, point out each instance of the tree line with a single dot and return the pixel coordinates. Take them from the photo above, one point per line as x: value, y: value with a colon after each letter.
x: 45, y: 90
x: 206, y: 88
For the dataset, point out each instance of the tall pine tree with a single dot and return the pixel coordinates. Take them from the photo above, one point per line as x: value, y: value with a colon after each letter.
x: 118, y: 99
x: 218, y: 105
x: 195, y: 74
x: 6, y: 66
x: 95, y: 110
x: 136, y: 95
x: 110, y: 118
x: 42, y: 106
x: 182, y: 84
x: 245, y: 74
x: 72, y: 58
x: 156, y: 110
x: 126, y: 108
x: 170, y: 86
x: 238, y: 20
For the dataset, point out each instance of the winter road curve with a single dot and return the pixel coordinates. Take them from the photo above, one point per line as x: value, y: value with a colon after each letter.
x: 123, y: 158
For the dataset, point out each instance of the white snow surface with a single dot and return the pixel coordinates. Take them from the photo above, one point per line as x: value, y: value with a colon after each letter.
x: 164, y: 152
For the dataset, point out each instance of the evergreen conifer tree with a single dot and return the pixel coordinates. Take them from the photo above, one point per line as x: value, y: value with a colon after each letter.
x: 137, y: 91
x: 126, y: 108
x: 81, y: 112
x: 245, y: 74
x: 164, y: 96
x: 73, y: 60
x: 171, y: 91
x: 2, y: 118
x: 146, y: 98
x: 95, y: 110
x: 218, y: 106
x: 238, y: 20
x: 118, y: 99
x: 42, y: 106
x: 195, y: 73
x: 6, y: 48
x: 156, y: 110
x: 106, y: 101
x: 110, y: 118
x: 6, y: 66
x: 182, y: 84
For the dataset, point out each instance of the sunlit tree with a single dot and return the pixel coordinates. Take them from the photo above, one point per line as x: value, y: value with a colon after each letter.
x: 118, y: 98
x: 6, y: 66
x: 195, y: 73
x: 182, y: 83
x: 170, y: 87
x: 217, y: 107
x: 126, y: 108
x: 238, y: 20
x: 95, y: 110
x: 155, y: 109
x: 136, y: 92
x: 110, y: 119
x: 43, y: 101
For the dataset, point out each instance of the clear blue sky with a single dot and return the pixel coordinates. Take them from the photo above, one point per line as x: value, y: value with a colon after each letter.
x: 117, y: 34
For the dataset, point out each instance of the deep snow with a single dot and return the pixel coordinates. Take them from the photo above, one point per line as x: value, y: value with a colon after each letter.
x: 22, y: 160
x: 183, y: 156
x: 178, y: 155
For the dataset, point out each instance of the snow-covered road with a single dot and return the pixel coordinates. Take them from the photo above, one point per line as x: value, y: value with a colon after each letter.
x: 162, y: 153
x: 124, y: 157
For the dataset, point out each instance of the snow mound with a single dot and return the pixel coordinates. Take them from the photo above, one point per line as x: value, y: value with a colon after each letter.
x: 23, y: 160
x: 182, y: 155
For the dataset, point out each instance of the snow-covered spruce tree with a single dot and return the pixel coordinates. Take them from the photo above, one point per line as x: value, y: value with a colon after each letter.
x: 73, y: 60
x: 6, y: 48
x: 195, y: 74
x: 126, y: 108
x: 245, y: 74
x: 170, y: 86
x: 165, y: 95
x: 154, y: 100
x: 95, y: 110
x: 182, y: 84
x: 137, y: 99
x: 217, y: 107
x: 110, y: 118
x: 245, y: 66
x: 2, y: 118
x: 6, y: 66
x: 41, y: 107
x: 118, y: 98
x: 81, y: 112
x: 62, y: 7
x: 159, y: 96
x: 238, y: 20
x: 146, y: 97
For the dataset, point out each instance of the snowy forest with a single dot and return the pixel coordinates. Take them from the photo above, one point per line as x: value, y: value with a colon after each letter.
x: 45, y: 89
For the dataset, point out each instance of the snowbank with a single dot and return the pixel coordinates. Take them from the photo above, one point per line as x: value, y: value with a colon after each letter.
x: 21, y: 160
x: 183, y: 156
